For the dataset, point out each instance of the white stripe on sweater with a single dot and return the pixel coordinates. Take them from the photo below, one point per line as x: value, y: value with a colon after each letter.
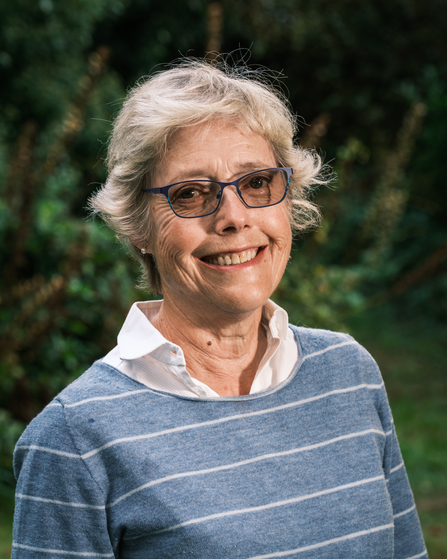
x: 396, y: 468
x: 325, y: 543
x: 50, y: 450
x: 403, y: 513
x: 330, y: 348
x: 115, y: 396
x: 55, y: 502
x: 267, y: 506
x: 62, y: 552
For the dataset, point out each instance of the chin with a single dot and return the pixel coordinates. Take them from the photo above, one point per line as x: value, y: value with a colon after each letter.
x: 241, y: 303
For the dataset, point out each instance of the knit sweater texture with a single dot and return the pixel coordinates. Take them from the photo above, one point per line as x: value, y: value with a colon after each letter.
x: 311, y: 468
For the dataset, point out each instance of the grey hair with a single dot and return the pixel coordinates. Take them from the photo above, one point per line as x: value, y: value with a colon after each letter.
x: 191, y: 92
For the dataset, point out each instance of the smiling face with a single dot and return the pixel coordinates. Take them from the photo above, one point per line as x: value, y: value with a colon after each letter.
x: 229, y: 262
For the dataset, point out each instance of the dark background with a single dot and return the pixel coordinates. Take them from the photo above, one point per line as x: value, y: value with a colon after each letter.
x: 369, y: 79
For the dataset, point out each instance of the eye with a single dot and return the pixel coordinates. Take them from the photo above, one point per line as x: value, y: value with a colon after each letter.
x: 187, y: 194
x: 258, y: 182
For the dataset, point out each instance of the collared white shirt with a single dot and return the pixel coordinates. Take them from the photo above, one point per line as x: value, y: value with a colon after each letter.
x: 146, y: 356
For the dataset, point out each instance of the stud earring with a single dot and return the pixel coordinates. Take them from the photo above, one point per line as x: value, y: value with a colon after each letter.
x: 143, y: 251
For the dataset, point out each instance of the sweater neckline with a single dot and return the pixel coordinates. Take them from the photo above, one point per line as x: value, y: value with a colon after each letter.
x: 244, y: 397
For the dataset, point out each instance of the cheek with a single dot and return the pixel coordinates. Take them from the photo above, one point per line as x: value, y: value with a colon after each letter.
x: 286, y: 246
x: 280, y: 230
x: 173, y: 240
x: 166, y: 245
x: 162, y: 221
x: 283, y: 240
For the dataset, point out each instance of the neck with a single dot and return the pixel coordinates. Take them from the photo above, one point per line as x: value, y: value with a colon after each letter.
x: 223, y: 353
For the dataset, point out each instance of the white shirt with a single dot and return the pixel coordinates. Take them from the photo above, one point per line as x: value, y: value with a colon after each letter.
x: 146, y: 356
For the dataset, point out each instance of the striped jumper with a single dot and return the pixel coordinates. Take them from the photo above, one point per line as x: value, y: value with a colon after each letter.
x: 311, y: 468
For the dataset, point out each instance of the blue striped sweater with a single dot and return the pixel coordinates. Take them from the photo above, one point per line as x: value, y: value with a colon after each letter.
x: 309, y: 469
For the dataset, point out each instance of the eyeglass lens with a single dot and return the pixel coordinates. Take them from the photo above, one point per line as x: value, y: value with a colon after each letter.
x: 199, y: 198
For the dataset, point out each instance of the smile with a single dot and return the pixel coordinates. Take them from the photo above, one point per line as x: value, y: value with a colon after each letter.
x: 231, y: 259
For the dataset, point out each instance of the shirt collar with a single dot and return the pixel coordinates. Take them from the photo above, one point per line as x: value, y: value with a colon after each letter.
x: 276, y: 318
x: 138, y: 337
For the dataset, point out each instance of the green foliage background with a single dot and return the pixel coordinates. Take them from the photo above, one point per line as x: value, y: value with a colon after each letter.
x: 369, y: 77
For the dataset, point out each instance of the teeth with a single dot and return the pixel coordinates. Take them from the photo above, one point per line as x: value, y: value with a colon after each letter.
x: 231, y: 259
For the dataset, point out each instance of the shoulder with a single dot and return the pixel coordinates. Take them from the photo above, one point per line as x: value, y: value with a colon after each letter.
x: 337, y: 353
x: 55, y: 428
x: 316, y: 339
x: 100, y: 380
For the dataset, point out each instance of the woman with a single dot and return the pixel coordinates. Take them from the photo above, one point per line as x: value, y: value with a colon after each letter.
x: 214, y: 429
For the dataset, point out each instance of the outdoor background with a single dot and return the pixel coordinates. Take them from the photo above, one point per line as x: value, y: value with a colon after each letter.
x: 370, y: 80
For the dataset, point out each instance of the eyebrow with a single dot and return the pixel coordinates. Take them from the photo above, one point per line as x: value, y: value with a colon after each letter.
x: 200, y: 172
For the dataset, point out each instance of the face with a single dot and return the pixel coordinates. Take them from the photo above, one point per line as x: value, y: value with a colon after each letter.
x: 192, y: 255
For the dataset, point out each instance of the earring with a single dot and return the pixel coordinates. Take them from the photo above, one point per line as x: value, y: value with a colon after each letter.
x: 143, y: 251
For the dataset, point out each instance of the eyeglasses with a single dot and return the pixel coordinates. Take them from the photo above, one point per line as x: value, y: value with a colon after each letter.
x: 198, y: 198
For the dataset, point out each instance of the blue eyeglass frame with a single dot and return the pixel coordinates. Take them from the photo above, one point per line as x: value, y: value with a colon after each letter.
x: 164, y: 190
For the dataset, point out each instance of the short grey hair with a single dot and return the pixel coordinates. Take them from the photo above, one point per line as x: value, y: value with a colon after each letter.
x: 191, y: 92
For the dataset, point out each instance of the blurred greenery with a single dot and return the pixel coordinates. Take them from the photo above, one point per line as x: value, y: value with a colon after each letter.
x: 370, y: 78
x: 412, y: 357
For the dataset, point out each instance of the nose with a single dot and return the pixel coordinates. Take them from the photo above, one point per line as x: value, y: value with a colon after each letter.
x: 232, y: 214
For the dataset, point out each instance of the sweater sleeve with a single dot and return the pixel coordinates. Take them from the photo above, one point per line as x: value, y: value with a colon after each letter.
x: 60, y: 509
x: 408, y: 539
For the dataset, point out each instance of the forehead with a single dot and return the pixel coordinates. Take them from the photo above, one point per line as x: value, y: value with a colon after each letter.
x: 217, y: 149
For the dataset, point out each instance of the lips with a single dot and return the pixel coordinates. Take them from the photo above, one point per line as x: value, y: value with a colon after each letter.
x: 231, y: 258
